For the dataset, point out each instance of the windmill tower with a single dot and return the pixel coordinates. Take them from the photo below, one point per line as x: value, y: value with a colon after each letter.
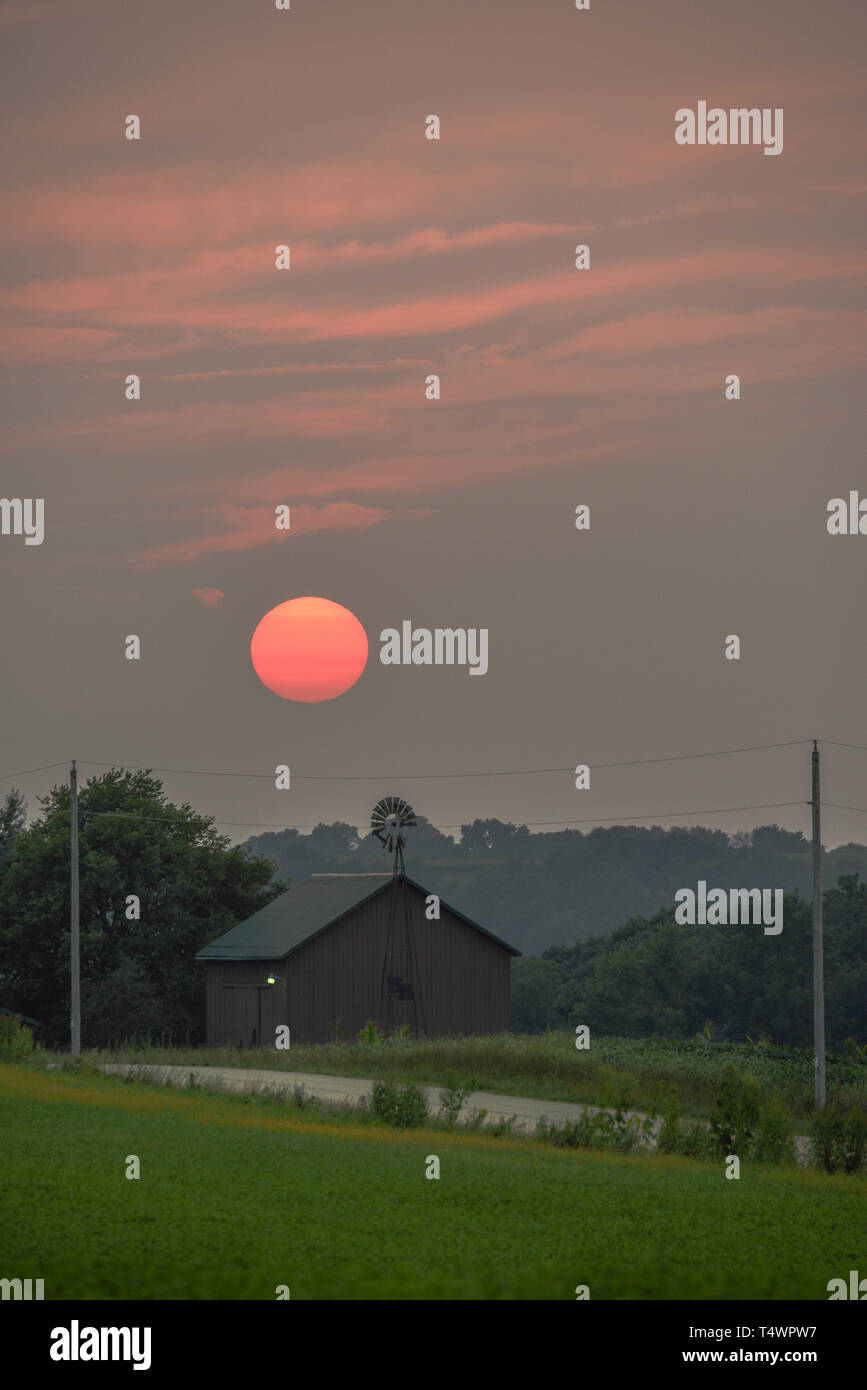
x: 400, y: 988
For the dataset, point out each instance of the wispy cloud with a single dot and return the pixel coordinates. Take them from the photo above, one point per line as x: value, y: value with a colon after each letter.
x: 249, y: 528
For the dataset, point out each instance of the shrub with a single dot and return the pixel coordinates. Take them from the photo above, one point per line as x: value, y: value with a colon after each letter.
x: 838, y: 1137
x: 453, y: 1098
x: 773, y: 1143
x: 695, y: 1140
x: 476, y: 1121
x: 669, y: 1133
x: 370, y: 1034
x: 735, y: 1116
x: 402, y: 1106
x: 599, y: 1131
x: 16, y: 1039
x: 691, y: 1139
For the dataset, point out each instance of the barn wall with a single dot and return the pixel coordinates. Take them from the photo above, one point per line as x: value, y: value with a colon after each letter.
x: 335, y: 979
x: 232, y: 1008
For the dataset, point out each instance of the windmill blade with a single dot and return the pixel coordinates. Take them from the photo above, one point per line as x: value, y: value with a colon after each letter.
x: 391, y: 809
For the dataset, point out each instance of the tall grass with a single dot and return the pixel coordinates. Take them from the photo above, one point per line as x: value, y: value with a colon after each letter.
x: 639, y: 1074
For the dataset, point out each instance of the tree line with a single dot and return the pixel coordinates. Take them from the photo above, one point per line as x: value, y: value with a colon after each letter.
x: 655, y: 977
x: 561, y: 898
x: 537, y: 890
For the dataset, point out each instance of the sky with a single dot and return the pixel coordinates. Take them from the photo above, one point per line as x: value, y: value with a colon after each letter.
x: 560, y: 387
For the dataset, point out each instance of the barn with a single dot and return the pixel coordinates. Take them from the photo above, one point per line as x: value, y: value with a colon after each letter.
x: 338, y: 950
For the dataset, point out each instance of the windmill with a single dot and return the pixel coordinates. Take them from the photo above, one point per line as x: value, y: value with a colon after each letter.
x: 389, y: 820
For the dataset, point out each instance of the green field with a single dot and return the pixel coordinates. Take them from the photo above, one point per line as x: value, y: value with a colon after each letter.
x: 238, y: 1196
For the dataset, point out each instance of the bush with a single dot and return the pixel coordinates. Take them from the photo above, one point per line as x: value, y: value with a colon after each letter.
x: 402, y: 1106
x: 691, y: 1139
x: 838, y: 1137
x: 599, y: 1131
x: 16, y: 1039
x: 453, y: 1098
x: 695, y: 1140
x: 370, y: 1034
x: 735, y: 1118
x: 669, y: 1133
x: 773, y: 1143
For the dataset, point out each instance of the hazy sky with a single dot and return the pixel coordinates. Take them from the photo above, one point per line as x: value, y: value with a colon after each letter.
x: 559, y: 387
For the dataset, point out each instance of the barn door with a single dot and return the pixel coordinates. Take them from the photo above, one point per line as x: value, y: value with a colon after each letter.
x: 241, y: 1012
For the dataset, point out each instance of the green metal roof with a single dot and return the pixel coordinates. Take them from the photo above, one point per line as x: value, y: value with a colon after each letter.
x: 305, y: 910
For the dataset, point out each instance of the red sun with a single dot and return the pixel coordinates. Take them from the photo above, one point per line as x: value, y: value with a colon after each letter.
x: 309, y: 649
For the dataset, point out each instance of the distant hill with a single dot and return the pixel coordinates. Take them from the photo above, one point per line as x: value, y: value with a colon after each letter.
x: 546, y: 889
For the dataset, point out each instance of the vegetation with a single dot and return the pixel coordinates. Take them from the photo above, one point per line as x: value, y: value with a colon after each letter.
x: 16, y: 1039
x: 402, y: 1106
x: 602, y: 1130
x: 136, y: 974
x: 640, y: 1074
x: 839, y: 1137
x: 653, y: 976
x: 505, y: 1220
x: 649, y: 977
x: 557, y: 887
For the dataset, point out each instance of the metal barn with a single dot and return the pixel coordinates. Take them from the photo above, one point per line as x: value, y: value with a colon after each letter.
x: 340, y: 949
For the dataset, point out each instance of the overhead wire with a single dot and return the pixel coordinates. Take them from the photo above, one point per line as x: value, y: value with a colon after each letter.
x: 448, y: 776
x: 585, y: 820
x: 445, y: 776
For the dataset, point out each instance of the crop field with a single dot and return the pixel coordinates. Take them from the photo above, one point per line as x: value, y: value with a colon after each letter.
x: 637, y: 1072
x: 238, y: 1196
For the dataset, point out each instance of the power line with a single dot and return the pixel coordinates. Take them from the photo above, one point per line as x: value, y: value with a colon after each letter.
x: 666, y: 815
x: 837, y: 807
x: 586, y: 820
x: 4, y: 777
x: 450, y: 776
x: 447, y: 776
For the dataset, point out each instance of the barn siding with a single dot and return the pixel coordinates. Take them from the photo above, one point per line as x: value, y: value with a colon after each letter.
x: 232, y: 1012
x: 334, y: 981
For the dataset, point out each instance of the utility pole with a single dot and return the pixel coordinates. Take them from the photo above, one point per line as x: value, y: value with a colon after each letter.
x: 75, y: 952
x: 818, y: 965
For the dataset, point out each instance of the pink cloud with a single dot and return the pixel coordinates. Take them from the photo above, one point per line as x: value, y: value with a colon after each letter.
x: 211, y: 598
x: 248, y: 528
x: 189, y: 305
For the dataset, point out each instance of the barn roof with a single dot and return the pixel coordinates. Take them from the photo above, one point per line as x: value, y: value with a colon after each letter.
x: 306, y: 910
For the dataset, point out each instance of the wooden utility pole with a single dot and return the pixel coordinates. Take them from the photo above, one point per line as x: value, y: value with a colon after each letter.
x: 818, y: 965
x: 74, y: 947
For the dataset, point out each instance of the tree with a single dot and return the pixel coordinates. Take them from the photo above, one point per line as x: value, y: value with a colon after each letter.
x: 13, y: 820
x: 136, y: 972
x: 336, y: 842
x: 492, y: 837
x: 645, y: 985
x: 534, y: 995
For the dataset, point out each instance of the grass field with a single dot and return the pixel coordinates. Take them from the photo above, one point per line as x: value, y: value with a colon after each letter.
x: 637, y: 1072
x: 238, y: 1196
